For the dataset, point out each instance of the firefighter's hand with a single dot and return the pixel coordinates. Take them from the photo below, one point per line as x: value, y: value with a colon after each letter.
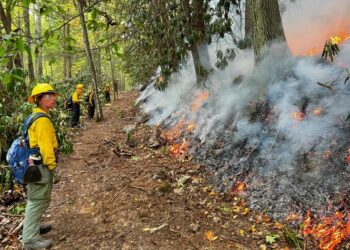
x: 56, y: 176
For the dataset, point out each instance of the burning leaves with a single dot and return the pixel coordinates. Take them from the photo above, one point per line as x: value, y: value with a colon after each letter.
x: 298, y: 116
x: 331, y: 47
x: 183, y: 128
x: 348, y: 157
x: 330, y: 231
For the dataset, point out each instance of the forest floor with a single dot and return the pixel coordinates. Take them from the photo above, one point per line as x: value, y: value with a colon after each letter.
x: 116, y: 196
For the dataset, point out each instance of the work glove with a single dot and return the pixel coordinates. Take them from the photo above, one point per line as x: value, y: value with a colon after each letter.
x: 56, y: 176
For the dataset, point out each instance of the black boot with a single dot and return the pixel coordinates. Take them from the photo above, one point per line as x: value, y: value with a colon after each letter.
x: 44, y: 229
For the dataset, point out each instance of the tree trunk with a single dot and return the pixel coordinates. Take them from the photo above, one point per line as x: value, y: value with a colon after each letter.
x: 67, y: 58
x: 79, y: 6
x: 196, y: 32
x: 267, y: 24
x: 28, y: 39
x: 39, y: 58
x: 248, y: 28
x: 6, y: 19
x: 114, y: 86
x: 97, y: 57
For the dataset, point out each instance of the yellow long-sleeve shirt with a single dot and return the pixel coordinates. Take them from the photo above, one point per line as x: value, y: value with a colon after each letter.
x: 76, y: 97
x: 42, y: 134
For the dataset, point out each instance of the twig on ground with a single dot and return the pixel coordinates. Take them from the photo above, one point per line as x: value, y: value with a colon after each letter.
x: 56, y: 205
x: 140, y: 188
x: 118, y: 193
x: 11, y: 215
x: 16, y: 229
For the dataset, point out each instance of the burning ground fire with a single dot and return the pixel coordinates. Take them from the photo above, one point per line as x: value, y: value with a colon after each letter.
x: 300, y: 158
x: 182, y: 128
x: 330, y: 231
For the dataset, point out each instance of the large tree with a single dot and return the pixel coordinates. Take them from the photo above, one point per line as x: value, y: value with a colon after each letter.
x: 267, y: 24
x: 6, y: 8
x: 80, y: 4
x: 29, y: 41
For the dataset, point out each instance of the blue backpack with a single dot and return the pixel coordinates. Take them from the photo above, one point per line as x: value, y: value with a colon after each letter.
x: 19, y: 152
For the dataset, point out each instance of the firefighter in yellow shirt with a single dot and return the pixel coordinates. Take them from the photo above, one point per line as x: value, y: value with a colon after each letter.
x: 76, y: 99
x: 42, y: 135
x: 90, y: 102
x: 107, y: 91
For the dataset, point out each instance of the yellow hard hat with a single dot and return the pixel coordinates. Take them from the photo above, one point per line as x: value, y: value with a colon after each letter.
x: 80, y: 86
x: 41, y: 88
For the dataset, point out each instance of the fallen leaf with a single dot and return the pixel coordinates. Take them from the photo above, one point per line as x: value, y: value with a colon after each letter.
x: 262, y: 247
x: 245, y: 211
x: 253, y: 229
x: 271, y: 238
x: 209, y: 235
x: 241, y: 232
x: 278, y: 225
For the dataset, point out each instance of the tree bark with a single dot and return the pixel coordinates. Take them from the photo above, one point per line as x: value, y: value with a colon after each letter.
x: 196, y: 32
x: 114, y: 85
x: 39, y: 58
x: 67, y: 58
x: 79, y: 6
x: 267, y: 25
x: 28, y: 40
x: 248, y: 27
x: 6, y: 19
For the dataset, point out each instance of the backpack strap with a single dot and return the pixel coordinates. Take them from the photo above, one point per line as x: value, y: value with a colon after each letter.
x: 29, y: 121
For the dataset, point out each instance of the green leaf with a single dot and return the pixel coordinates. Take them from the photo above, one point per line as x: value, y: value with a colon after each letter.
x: 219, y: 54
x: 26, y: 3
x: 348, y: 117
x: 6, y: 78
x: 92, y: 25
x: 20, y: 44
x: 94, y: 13
x: 18, y: 77
x: 2, y: 51
x: 271, y: 238
x: 60, y: 9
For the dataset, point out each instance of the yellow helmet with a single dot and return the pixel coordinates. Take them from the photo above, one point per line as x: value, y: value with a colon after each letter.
x: 41, y: 88
x: 79, y: 86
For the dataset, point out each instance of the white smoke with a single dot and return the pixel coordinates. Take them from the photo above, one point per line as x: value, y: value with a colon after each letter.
x: 285, y: 82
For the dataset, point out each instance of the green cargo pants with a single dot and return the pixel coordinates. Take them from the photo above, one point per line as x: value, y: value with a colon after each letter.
x: 39, y: 197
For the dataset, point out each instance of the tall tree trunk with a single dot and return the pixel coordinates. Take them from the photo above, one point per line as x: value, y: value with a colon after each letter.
x: 79, y: 6
x: 267, y: 24
x: 97, y: 57
x: 39, y: 58
x: 114, y: 85
x: 187, y: 8
x: 6, y: 19
x: 248, y: 28
x: 67, y: 58
x: 69, y: 55
x: 28, y: 39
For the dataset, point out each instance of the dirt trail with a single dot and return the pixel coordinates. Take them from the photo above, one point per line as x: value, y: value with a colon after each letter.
x: 106, y: 201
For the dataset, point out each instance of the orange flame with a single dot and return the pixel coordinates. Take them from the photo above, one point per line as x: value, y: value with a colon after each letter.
x: 198, y: 101
x: 238, y: 187
x: 330, y: 231
x: 317, y: 111
x: 172, y: 135
x: 179, y: 150
x: 298, y: 116
x: 337, y: 39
